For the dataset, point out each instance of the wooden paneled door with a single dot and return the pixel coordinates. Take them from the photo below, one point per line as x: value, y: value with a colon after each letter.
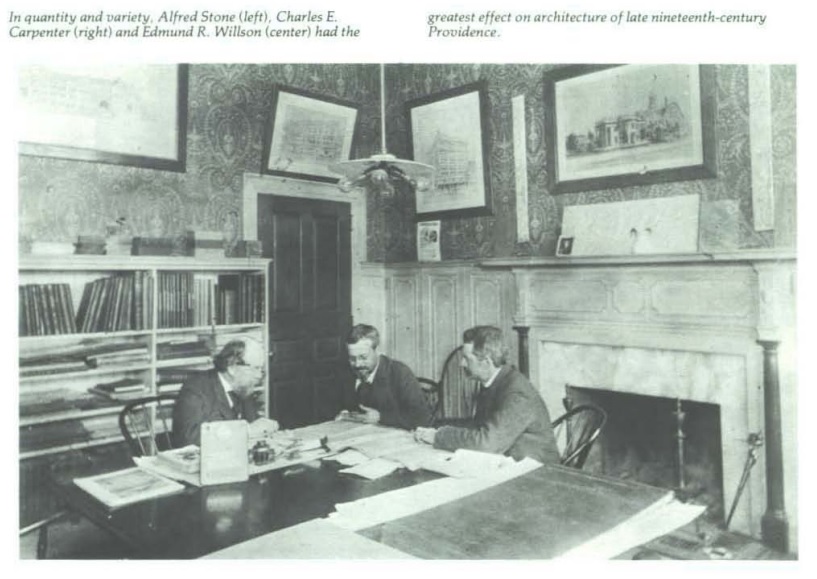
x: 310, y: 307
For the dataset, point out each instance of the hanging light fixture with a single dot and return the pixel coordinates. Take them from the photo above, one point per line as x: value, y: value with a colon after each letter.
x: 381, y: 172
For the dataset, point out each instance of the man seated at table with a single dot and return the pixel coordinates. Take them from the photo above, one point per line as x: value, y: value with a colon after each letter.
x: 224, y: 393
x: 384, y: 391
x: 510, y: 418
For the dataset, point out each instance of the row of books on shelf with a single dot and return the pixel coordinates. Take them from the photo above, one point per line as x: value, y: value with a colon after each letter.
x: 188, y: 299
x: 46, y: 309
x: 120, y: 302
x: 124, y: 302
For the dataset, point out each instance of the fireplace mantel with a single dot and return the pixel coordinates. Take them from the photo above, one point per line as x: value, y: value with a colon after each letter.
x: 748, y: 291
x: 757, y: 256
x: 580, y: 315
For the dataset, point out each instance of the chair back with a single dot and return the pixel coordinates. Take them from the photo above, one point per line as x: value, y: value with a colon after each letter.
x: 452, y: 395
x: 576, y: 430
x: 146, y: 424
x: 431, y: 392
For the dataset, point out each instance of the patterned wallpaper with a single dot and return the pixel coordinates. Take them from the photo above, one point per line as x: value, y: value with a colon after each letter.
x: 228, y: 106
x: 784, y: 148
x: 726, y: 200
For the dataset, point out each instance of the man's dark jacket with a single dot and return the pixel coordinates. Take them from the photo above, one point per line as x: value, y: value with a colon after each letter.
x: 510, y: 418
x: 395, y: 393
x: 202, y: 399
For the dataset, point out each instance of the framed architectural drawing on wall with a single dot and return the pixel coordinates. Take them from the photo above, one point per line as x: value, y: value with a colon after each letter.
x: 306, y: 133
x: 449, y: 131
x: 616, y: 126
x: 122, y: 114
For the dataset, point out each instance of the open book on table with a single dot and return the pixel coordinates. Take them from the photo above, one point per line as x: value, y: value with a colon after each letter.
x: 124, y: 487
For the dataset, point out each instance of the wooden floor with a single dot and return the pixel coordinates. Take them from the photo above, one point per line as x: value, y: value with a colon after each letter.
x: 705, y: 541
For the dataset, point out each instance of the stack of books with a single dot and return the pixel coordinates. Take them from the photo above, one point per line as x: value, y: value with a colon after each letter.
x: 209, y: 244
x: 182, y: 349
x: 121, y: 390
x: 121, y: 354
x: 45, y: 401
x: 77, y: 358
x: 171, y: 380
x: 56, y: 433
x: 90, y: 245
x: 53, y: 365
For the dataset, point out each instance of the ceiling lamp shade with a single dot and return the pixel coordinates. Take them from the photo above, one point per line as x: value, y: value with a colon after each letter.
x: 381, y: 172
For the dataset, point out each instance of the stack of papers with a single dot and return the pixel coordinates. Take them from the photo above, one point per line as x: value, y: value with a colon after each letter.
x: 468, y: 464
x: 186, y: 459
x: 349, y: 458
x: 374, y: 468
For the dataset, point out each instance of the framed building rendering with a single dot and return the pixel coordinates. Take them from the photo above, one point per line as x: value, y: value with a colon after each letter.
x: 124, y: 115
x: 306, y: 133
x: 614, y: 126
x: 449, y: 131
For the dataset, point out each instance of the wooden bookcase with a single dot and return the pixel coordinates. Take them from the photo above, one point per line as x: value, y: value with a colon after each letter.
x: 169, y: 302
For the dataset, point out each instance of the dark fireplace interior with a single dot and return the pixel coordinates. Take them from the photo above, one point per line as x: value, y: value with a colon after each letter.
x: 640, y: 442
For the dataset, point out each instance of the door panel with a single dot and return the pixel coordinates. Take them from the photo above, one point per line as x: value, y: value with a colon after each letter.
x: 309, y: 242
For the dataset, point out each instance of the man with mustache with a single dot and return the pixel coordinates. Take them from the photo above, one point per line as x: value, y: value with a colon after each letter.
x: 510, y: 418
x: 384, y: 391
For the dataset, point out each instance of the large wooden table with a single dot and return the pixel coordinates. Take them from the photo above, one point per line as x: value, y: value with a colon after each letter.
x: 199, y: 521
x: 537, y: 515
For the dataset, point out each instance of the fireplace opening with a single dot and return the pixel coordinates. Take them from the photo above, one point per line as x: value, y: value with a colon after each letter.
x: 640, y: 442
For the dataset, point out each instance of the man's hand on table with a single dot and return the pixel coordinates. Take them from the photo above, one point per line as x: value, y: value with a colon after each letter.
x: 366, y: 415
x: 422, y: 434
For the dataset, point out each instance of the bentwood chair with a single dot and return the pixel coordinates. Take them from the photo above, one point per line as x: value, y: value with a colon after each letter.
x: 578, y: 429
x: 146, y: 424
x: 448, y: 387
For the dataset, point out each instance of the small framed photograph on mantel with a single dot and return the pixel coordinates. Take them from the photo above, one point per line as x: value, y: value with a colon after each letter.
x: 621, y: 125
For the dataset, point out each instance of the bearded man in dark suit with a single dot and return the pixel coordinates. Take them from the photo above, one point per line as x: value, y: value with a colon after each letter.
x: 384, y: 391
x: 224, y: 393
